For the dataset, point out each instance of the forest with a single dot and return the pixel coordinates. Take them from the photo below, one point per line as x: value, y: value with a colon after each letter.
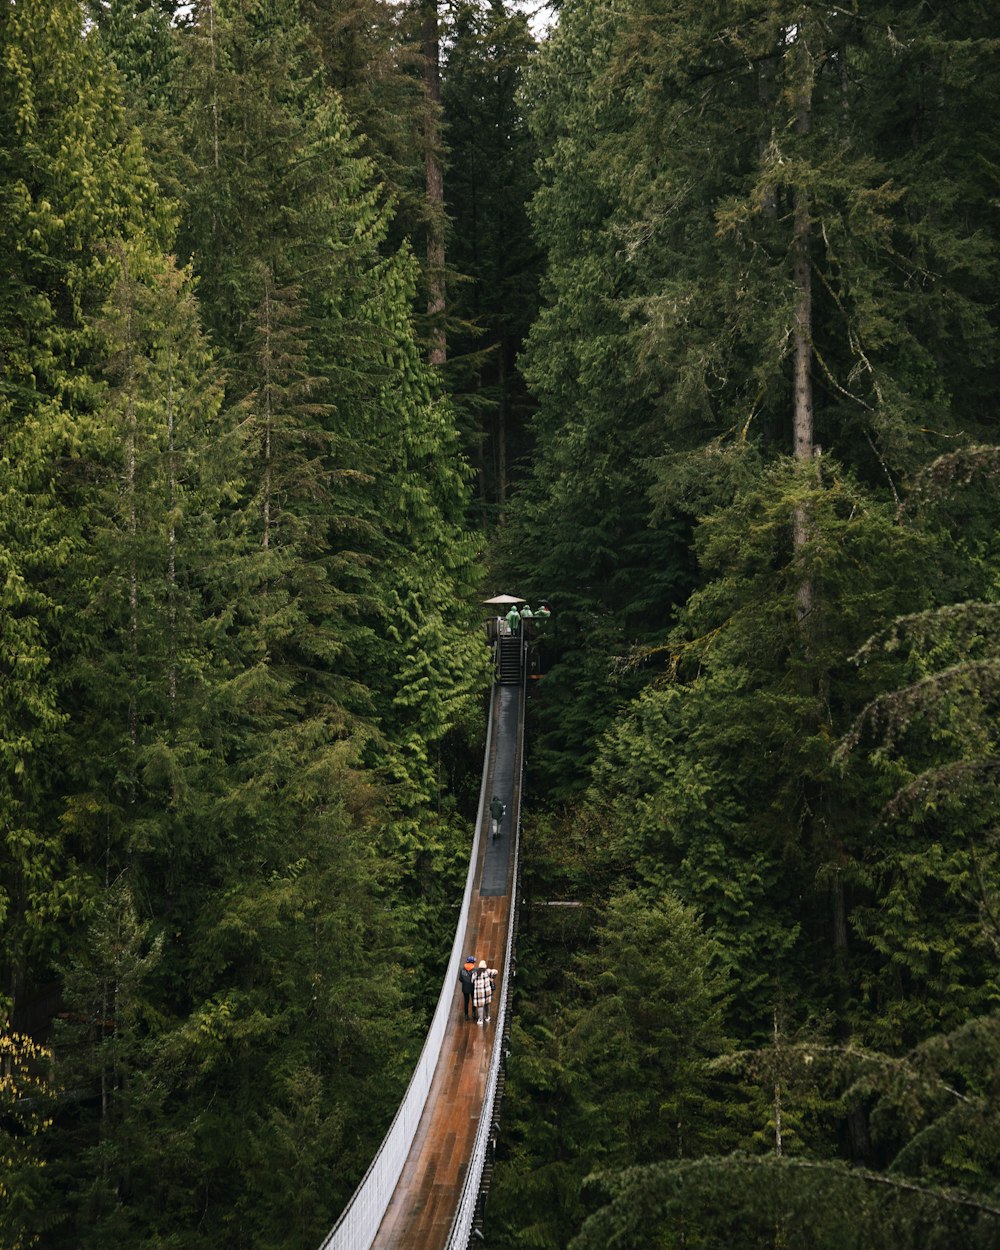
x: 320, y: 322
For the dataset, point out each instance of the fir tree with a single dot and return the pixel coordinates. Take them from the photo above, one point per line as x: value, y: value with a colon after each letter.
x: 74, y: 187
x: 490, y: 180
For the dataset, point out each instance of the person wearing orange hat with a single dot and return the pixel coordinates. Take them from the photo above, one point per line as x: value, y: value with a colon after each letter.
x: 465, y: 977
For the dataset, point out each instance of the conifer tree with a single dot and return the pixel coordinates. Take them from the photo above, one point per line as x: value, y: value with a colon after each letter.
x: 490, y: 180
x: 772, y: 258
x: 181, y: 756
x: 74, y: 187
x: 372, y: 419
x: 931, y: 858
x: 672, y: 286
x: 24, y: 1095
x: 749, y: 731
x: 581, y: 526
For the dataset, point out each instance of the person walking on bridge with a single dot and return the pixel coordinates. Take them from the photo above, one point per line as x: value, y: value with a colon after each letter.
x: 498, y: 810
x: 465, y: 977
x: 482, y: 991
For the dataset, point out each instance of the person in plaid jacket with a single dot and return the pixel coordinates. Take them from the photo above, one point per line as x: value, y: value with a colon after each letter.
x: 482, y: 991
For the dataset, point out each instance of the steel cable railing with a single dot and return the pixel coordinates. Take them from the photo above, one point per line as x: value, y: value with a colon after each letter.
x: 462, y: 1223
x: 360, y: 1220
x: 461, y: 1228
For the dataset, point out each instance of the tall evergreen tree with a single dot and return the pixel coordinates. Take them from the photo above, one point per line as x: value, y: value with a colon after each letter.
x: 582, y: 530
x: 763, y: 265
x: 74, y: 187
x: 194, y: 564
x: 708, y: 300
x: 673, y: 273
x: 490, y: 180
x: 617, y: 1063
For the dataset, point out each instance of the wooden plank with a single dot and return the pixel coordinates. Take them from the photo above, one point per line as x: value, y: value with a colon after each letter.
x: 421, y: 1210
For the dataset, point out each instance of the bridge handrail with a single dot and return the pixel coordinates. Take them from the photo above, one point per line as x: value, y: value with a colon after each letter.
x: 461, y: 1225
x: 359, y: 1222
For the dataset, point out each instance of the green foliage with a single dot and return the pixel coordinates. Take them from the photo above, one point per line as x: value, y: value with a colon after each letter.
x: 671, y: 161
x: 933, y: 1120
x: 722, y: 783
x: 687, y: 155
x: 581, y: 530
x: 932, y: 864
x: 489, y: 179
x: 793, y: 1203
x: 611, y: 1046
x: 25, y: 1101
x: 234, y: 572
x: 73, y: 187
x: 373, y: 487
x: 707, y: 226
x: 651, y: 998
x: 242, y: 673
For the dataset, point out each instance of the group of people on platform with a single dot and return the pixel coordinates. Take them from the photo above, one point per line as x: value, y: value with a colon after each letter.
x: 511, y: 623
x: 478, y: 983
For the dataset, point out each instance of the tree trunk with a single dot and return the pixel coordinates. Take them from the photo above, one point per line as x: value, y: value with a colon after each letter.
x: 171, y: 540
x: 215, y: 86
x: 502, y: 428
x: 767, y: 91
x: 803, y: 414
x: 777, y: 1094
x: 802, y: 422
x: 131, y: 466
x: 265, y: 509
x: 435, y: 184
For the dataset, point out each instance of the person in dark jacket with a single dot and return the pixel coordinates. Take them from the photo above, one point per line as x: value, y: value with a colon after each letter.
x: 465, y: 978
x: 497, y: 812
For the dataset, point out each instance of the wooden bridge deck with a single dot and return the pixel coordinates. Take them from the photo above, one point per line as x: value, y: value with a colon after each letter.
x: 423, y: 1205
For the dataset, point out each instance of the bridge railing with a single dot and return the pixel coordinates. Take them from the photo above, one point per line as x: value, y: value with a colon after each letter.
x: 360, y: 1220
x: 462, y: 1224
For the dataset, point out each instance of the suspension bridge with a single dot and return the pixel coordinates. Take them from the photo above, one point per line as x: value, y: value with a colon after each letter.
x: 426, y: 1187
